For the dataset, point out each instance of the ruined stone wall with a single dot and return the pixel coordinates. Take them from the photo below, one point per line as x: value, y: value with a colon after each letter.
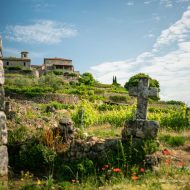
x: 46, y: 98
x: 3, y: 133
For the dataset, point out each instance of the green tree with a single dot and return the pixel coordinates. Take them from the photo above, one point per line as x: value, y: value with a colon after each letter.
x: 133, y: 81
x: 87, y: 79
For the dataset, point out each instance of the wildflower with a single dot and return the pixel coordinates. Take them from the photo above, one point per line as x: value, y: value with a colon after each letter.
x: 39, y: 182
x: 103, y: 169
x: 22, y: 179
x: 181, y: 164
x: 165, y: 152
x: 75, y: 181
x: 168, y: 162
x: 117, y: 170
x: 106, y: 166
x: 134, y: 177
x: 142, y: 170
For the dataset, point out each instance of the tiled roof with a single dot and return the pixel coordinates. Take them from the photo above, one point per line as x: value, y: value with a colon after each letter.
x: 14, y: 59
x: 61, y: 59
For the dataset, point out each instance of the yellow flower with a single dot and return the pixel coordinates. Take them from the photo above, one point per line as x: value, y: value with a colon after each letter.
x: 22, y: 179
x: 39, y: 182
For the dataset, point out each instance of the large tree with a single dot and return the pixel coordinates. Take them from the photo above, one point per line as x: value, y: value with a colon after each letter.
x: 133, y: 81
x: 87, y: 79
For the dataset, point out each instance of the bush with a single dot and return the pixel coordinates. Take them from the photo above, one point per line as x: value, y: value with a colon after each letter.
x: 14, y: 68
x: 173, y: 140
x: 87, y: 79
x: 85, y: 114
x: 59, y: 106
x: 58, y: 72
x: 118, y: 99
x: 27, y: 71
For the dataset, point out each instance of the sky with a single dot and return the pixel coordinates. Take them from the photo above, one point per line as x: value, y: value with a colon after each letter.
x: 106, y: 38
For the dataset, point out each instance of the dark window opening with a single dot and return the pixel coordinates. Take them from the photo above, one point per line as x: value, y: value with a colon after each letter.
x: 24, y: 64
x: 7, y: 63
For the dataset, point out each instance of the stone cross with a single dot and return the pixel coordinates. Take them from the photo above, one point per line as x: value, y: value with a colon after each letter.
x: 142, y: 92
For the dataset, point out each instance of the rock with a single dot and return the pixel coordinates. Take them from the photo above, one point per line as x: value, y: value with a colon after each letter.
x: 3, y: 129
x: 2, y: 99
x: 4, y: 161
x: 50, y: 109
x: 140, y: 128
x: 2, y: 79
x: 65, y: 129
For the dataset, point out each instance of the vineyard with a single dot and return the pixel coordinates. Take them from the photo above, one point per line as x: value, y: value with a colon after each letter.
x: 36, y: 153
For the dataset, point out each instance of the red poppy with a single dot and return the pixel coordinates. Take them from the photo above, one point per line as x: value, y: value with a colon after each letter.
x: 116, y: 170
x: 106, y: 166
x: 168, y: 162
x: 103, y: 169
x: 165, y: 152
x: 142, y: 170
x: 181, y: 164
x: 134, y: 177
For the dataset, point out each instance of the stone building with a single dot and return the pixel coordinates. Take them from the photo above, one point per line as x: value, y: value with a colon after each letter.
x: 24, y: 61
x: 60, y: 64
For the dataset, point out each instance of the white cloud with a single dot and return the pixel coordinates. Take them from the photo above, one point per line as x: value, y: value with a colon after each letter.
x: 130, y: 3
x: 175, y: 33
x: 41, y: 31
x: 167, y: 3
x: 171, y: 68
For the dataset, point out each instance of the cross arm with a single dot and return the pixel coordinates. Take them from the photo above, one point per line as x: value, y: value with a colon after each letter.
x: 133, y: 91
x: 153, y: 92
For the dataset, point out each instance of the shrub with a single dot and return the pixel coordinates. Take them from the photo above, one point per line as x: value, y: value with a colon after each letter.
x: 118, y: 99
x: 85, y: 114
x: 58, y: 72
x: 173, y: 140
x: 87, y: 79
x: 14, y: 68
x: 27, y: 71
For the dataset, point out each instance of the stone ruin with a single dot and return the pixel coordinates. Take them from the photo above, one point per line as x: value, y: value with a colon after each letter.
x: 3, y: 133
x: 99, y: 149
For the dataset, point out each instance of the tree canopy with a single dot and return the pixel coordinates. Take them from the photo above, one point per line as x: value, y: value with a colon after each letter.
x: 87, y: 79
x: 133, y: 81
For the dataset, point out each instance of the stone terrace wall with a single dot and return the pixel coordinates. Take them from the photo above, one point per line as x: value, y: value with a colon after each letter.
x: 3, y: 134
x: 61, y: 98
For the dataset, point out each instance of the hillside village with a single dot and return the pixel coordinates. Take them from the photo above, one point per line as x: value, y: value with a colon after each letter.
x: 23, y: 64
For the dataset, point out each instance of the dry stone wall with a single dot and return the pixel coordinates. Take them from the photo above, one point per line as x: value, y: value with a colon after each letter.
x: 3, y: 133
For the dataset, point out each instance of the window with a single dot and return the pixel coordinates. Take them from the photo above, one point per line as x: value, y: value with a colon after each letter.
x: 7, y: 63
x: 24, y: 64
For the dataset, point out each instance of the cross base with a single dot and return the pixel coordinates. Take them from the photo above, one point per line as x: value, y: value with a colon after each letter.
x: 140, y: 128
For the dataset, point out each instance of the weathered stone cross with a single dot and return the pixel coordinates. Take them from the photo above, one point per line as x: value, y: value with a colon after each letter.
x: 142, y: 92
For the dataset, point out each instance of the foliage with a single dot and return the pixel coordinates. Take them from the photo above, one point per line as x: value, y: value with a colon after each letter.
x: 58, y: 72
x: 173, y: 140
x: 118, y: 98
x: 28, y: 91
x: 84, y: 115
x: 133, y: 81
x: 57, y: 106
x: 14, y: 68
x: 87, y: 79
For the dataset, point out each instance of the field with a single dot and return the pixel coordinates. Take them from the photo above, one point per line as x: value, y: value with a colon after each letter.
x: 101, y: 111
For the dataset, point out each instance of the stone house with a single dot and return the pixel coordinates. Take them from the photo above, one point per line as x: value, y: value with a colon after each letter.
x: 60, y: 64
x: 24, y: 61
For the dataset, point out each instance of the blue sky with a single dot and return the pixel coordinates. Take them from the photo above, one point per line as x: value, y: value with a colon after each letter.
x: 105, y: 37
